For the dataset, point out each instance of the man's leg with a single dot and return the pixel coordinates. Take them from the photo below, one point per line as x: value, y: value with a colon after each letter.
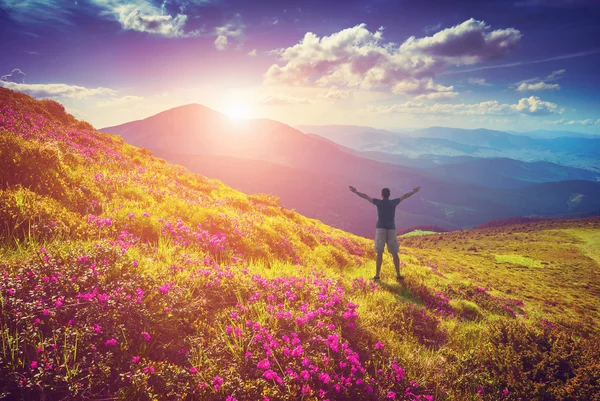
x: 394, y: 248
x: 396, y: 263
x: 378, y: 264
x: 380, y: 239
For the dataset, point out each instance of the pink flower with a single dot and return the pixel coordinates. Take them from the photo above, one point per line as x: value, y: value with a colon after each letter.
x: 324, y: 377
x: 110, y: 343
x: 505, y: 392
x: 217, y: 383
x: 193, y: 370
x: 306, y: 389
x: 146, y: 336
x: 149, y: 369
x: 135, y: 359
x: 379, y: 345
x: 264, y: 364
x: 165, y: 288
x: 391, y: 395
x: 34, y: 364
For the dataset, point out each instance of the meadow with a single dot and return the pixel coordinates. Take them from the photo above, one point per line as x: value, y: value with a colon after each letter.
x: 124, y: 277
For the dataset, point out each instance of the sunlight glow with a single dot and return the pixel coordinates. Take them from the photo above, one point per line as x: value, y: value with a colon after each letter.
x: 239, y: 111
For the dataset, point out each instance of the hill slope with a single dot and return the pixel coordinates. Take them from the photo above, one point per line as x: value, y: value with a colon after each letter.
x: 192, y: 135
x: 124, y: 277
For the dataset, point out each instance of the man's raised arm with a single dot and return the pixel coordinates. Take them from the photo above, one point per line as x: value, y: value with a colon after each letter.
x: 364, y: 196
x: 409, y: 194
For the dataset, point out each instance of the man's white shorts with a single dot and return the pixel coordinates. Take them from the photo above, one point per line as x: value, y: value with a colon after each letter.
x: 384, y: 236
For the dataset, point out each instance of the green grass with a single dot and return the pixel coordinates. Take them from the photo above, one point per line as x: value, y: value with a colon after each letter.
x: 590, y: 242
x: 518, y: 260
x: 417, y: 233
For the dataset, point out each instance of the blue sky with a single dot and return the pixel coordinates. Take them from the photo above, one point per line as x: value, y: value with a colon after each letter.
x: 512, y: 65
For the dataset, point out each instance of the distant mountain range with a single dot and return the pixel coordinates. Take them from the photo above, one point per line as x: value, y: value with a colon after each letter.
x: 312, y: 174
x: 563, y: 147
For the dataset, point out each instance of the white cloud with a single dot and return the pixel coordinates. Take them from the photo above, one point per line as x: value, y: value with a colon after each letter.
x: 280, y: 100
x: 598, y: 121
x: 221, y: 42
x: 39, y: 11
x: 540, y: 86
x: 588, y: 121
x: 334, y: 93
x: 16, y: 75
x: 358, y: 58
x: 556, y: 75
x: 479, y: 82
x: 538, y: 83
x: 58, y: 90
x: 119, y: 101
x: 531, y: 106
x: 144, y: 16
x: 447, y: 95
x: 252, y: 53
x: 232, y: 29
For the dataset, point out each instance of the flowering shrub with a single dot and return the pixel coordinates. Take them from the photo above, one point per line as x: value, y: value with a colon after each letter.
x: 221, y: 332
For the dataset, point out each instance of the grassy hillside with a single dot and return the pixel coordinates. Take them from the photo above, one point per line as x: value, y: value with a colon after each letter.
x: 124, y: 277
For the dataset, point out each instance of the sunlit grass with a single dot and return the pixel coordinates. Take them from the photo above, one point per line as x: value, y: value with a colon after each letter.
x: 518, y: 260
x: 417, y: 233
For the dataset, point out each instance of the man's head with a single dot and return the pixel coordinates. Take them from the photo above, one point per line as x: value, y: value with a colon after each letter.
x: 385, y: 193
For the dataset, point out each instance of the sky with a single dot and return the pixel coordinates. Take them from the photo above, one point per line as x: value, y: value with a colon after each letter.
x: 516, y: 65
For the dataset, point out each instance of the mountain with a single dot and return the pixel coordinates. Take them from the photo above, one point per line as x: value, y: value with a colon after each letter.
x: 487, y: 172
x: 125, y: 277
x: 572, y: 151
x: 314, y: 175
x: 548, y: 134
x: 338, y: 133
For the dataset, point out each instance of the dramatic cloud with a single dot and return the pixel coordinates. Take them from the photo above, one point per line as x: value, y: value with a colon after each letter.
x: 479, y: 82
x: 233, y: 29
x: 58, y: 90
x: 531, y: 106
x: 144, y: 16
x: 358, y: 58
x: 281, y: 100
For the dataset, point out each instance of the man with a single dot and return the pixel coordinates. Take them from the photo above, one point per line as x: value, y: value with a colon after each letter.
x: 386, y: 227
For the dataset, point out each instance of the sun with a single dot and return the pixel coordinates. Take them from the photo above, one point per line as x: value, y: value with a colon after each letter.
x: 239, y: 111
